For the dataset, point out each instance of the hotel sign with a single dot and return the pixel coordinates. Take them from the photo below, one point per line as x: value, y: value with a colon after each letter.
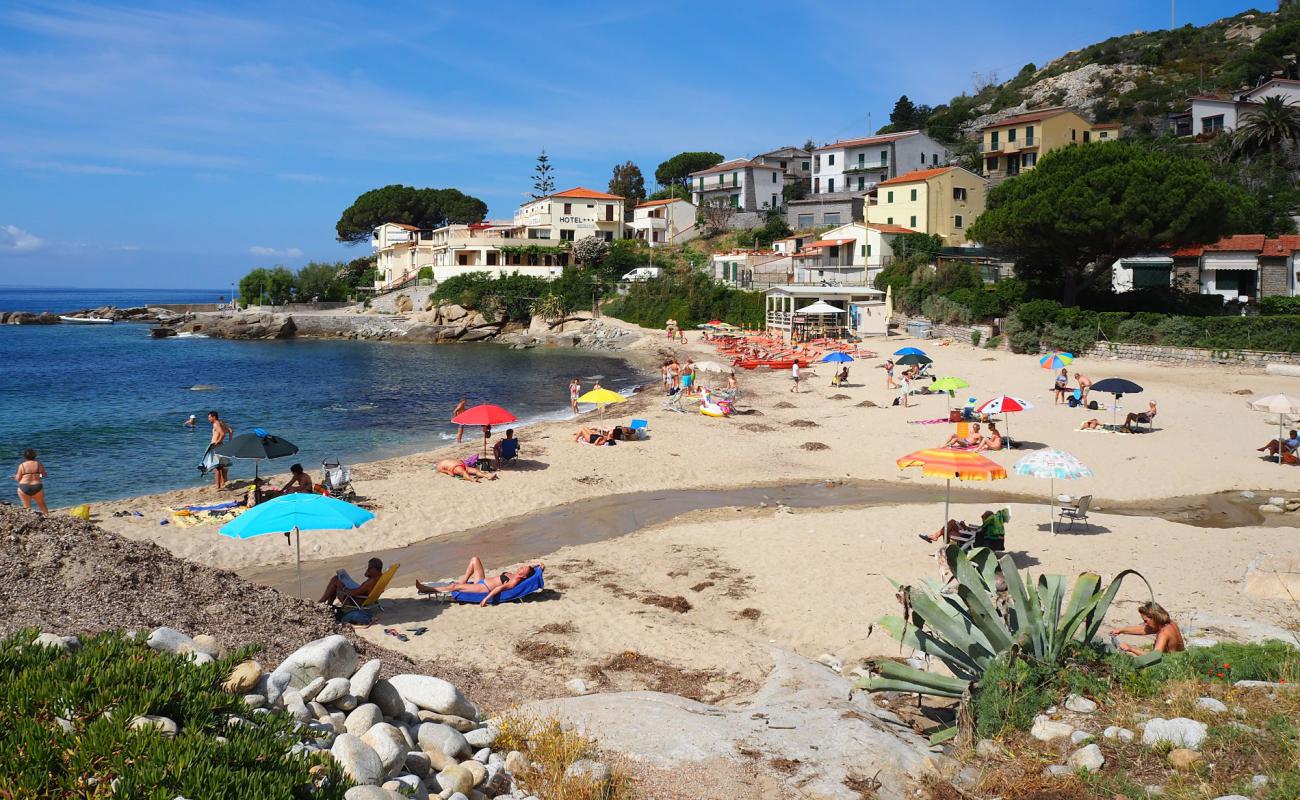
x: 579, y: 222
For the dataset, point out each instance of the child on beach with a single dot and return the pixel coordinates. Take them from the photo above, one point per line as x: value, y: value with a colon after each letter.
x: 575, y: 389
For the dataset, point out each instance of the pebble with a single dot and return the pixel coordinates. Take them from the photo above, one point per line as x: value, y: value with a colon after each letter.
x: 482, y: 737
x: 296, y: 707
x: 163, y: 725
x: 1259, y: 781
x: 1088, y: 758
x: 1079, y: 736
x: 1269, y: 508
x: 1080, y: 704
x: 577, y: 686
x: 1045, y: 730
x: 1154, y: 789
x: 1232, y: 797
x: 313, y: 687
x: 1116, y: 732
x: 1212, y: 705
x: 50, y: 640
x: 483, y: 755
x: 1057, y: 771
x: 1179, y: 732
x: 346, y: 703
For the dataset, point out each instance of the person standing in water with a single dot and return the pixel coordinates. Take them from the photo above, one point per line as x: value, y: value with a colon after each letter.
x: 30, y: 476
x: 189, y: 423
x: 575, y: 389
x: 221, y: 432
x: 460, y: 432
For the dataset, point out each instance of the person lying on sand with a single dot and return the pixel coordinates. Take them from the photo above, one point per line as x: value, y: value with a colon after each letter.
x: 461, y: 469
x: 973, y: 439
x: 993, y: 441
x: 1092, y: 425
x: 342, y: 586
x: 592, y: 436
x: 1155, y: 621
x: 476, y: 580
x: 1146, y: 417
x: 1287, y: 446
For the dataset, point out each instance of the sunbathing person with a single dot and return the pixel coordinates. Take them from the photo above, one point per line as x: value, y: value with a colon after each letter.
x: 1287, y: 446
x: 1155, y: 621
x: 476, y: 580
x: 342, y: 586
x: 973, y: 439
x: 462, y: 469
x: 1092, y: 425
x: 592, y: 436
x: 1146, y: 416
x: 955, y: 530
x: 993, y: 441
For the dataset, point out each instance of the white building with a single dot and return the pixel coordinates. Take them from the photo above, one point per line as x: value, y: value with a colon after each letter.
x: 859, y: 310
x: 571, y: 215
x: 852, y: 254
x: 1211, y: 114
x: 747, y: 185
x: 857, y: 165
x: 662, y: 222
x: 749, y: 267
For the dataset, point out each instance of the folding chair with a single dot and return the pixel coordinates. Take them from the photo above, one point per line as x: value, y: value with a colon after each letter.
x: 640, y: 427
x: 1077, y: 514
x: 372, y: 599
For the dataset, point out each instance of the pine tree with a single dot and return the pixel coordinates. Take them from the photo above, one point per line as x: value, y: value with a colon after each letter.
x: 628, y: 183
x: 543, y: 180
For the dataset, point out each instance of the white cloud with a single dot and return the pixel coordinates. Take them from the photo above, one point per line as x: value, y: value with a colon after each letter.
x: 14, y: 239
x: 282, y: 252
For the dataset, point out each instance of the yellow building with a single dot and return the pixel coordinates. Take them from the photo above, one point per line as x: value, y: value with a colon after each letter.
x: 942, y: 201
x: 1016, y: 143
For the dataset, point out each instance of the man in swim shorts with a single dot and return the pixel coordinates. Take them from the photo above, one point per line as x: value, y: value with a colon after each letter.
x: 220, y: 465
x: 342, y: 585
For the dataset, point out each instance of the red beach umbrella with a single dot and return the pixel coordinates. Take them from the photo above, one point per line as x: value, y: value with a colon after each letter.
x: 484, y: 415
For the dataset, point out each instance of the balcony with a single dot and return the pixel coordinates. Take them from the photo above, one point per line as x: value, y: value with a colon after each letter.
x: 859, y: 169
x: 995, y: 147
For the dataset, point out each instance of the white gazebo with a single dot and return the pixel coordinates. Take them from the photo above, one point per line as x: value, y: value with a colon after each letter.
x: 840, y: 310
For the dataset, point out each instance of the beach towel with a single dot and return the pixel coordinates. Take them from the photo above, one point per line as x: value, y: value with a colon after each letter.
x: 533, y: 583
x: 211, y: 460
x: 935, y: 421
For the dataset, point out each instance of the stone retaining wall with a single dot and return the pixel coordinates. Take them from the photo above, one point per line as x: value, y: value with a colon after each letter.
x: 957, y: 333
x: 1190, y: 355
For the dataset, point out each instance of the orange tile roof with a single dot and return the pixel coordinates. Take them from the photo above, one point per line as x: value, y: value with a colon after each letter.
x: 917, y: 176
x: 1281, y: 246
x: 649, y: 203
x: 866, y: 140
x: 582, y: 193
x: 1031, y: 116
x: 886, y: 228
x: 404, y: 226
x: 735, y: 163
x: 1195, y: 250
x: 1246, y: 242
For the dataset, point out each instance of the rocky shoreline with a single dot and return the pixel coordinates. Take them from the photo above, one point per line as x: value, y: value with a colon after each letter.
x: 146, y: 314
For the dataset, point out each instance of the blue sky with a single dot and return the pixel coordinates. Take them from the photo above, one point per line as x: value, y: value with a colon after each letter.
x: 179, y: 145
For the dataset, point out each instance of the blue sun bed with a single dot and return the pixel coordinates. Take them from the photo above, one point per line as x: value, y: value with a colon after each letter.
x: 533, y: 583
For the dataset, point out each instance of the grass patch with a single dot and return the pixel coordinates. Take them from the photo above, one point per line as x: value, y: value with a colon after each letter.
x: 551, y: 750
x: 99, y: 688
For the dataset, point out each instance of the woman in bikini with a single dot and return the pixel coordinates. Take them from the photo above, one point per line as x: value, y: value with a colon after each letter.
x: 1155, y: 621
x: 993, y: 441
x: 459, y: 469
x: 476, y: 580
x: 29, y: 476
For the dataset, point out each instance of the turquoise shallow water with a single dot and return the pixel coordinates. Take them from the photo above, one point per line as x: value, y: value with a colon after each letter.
x: 103, y: 405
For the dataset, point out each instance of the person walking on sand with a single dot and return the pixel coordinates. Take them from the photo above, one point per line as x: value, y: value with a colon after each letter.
x: 888, y: 367
x: 460, y: 429
x: 219, y: 465
x: 30, y: 477
x: 575, y: 389
x: 794, y: 377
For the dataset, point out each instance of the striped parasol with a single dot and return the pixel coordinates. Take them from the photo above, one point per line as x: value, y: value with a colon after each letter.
x: 1055, y: 361
x: 1053, y: 465
x: 949, y: 464
x: 1004, y: 404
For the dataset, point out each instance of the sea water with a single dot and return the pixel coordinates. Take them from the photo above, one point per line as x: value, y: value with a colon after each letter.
x: 104, y: 404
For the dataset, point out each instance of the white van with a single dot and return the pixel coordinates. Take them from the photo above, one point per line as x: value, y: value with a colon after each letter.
x: 644, y: 273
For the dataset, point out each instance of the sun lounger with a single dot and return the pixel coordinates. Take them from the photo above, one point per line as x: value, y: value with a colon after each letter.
x: 533, y: 583
x: 371, y: 603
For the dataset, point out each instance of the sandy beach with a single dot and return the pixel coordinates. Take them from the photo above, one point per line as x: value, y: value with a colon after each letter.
x: 705, y: 594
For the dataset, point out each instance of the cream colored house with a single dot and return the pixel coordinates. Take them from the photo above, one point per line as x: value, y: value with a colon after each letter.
x: 571, y: 215
x: 942, y: 201
x: 663, y: 222
x: 1016, y: 143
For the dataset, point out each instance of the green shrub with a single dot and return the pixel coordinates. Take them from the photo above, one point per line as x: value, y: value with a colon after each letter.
x: 1177, y: 331
x: 975, y: 338
x: 1071, y: 340
x: 1136, y: 331
x: 945, y: 311
x: 38, y: 760
x: 511, y: 295
x: 1279, y: 305
x: 689, y: 298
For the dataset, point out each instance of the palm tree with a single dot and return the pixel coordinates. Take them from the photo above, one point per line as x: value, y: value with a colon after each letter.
x: 1268, y: 128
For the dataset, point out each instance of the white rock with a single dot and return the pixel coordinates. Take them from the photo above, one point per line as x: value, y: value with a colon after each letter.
x: 163, y: 725
x: 358, y: 760
x: 1277, y: 500
x: 1116, y: 732
x: 1259, y: 781
x: 1265, y: 685
x: 1201, y: 641
x: 367, y: 793
x: 517, y: 762
x: 577, y: 686
x: 330, y: 657
x: 1212, y: 705
x: 51, y: 640
x: 169, y: 640
x: 363, y: 680
x: 313, y: 687
x: 346, y: 703
x: 254, y: 700
x: 483, y: 737
x: 1178, y: 732
x: 386, y: 696
x: 1232, y: 797
x: 1269, y: 508
x: 456, y: 778
x: 199, y: 659
x: 483, y: 755
x: 412, y: 787
x: 65, y: 725
x: 276, y: 685
x: 1080, y: 704
x: 333, y: 689
x: 589, y: 770
x: 1057, y: 771
x: 389, y: 744
x: 434, y: 694
x: 1087, y: 758
x: 363, y: 718
x: 831, y: 661
x: 296, y: 707
x: 318, y: 711
x: 434, y: 737
x: 1079, y: 736
x: 73, y: 642
x: 476, y: 770
x: 204, y: 643
x: 1045, y: 730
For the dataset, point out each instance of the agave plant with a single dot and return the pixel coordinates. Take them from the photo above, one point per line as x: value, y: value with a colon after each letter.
x: 994, y: 611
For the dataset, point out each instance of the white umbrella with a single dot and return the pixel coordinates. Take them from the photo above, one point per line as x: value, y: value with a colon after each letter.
x: 1280, y: 404
x: 714, y: 366
x: 1051, y: 464
x: 820, y: 307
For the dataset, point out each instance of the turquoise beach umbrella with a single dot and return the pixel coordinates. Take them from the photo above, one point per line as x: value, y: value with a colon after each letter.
x: 1055, y: 360
x: 296, y: 513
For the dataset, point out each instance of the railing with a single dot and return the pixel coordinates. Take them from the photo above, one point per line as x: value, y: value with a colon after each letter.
x: 779, y: 319
x: 860, y: 168
x: 987, y: 147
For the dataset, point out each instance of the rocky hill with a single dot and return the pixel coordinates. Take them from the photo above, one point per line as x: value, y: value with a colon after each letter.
x: 1138, y: 78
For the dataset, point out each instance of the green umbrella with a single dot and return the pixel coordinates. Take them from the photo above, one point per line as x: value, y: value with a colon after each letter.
x: 948, y: 386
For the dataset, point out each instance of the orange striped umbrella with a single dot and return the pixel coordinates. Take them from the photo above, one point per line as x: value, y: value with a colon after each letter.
x: 938, y: 462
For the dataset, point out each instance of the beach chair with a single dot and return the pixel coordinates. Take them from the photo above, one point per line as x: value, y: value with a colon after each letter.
x: 533, y: 583
x: 371, y: 603
x: 640, y: 427
x: 336, y: 480
x: 674, y: 401
x: 1077, y: 514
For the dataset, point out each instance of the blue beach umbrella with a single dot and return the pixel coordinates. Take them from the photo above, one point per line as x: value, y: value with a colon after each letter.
x: 296, y: 513
x: 1055, y: 361
x: 836, y: 357
x: 910, y: 351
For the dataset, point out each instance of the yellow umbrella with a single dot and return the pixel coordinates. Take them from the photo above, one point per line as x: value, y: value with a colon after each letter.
x: 948, y: 464
x: 602, y: 398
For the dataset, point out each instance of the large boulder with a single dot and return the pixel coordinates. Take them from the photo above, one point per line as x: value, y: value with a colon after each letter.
x: 363, y: 680
x: 389, y: 744
x: 363, y: 718
x: 358, y: 760
x: 450, y: 312
x: 386, y: 696
x: 250, y: 325
x: 436, y: 738
x: 1179, y: 732
x: 330, y: 657
x: 434, y: 694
